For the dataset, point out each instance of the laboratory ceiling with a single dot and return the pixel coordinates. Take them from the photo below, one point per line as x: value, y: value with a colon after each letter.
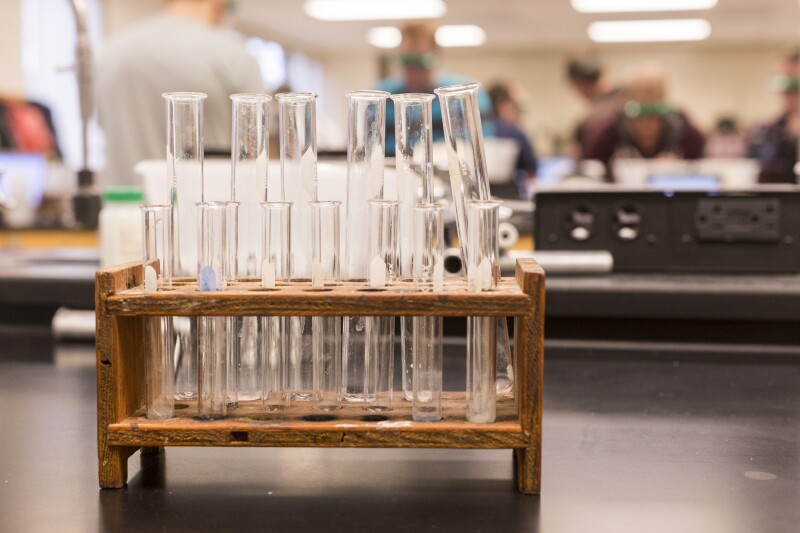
x: 522, y: 24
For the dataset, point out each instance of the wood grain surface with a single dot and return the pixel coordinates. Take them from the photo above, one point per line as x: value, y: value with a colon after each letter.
x: 344, y: 299
x: 350, y: 426
x: 122, y: 308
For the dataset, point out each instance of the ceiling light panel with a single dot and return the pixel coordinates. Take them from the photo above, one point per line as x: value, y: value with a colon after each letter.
x: 460, y: 35
x: 384, y: 36
x: 641, y: 31
x: 634, y: 6
x: 374, y: 9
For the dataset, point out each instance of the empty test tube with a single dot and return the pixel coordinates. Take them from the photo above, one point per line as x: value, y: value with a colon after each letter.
x: 366, y: 124
x: 185, y: 175
x: 326, y: 331
x: 249, y: 155
x: 426, y: 367
x: 482, y: 274
x: 212, y: 271
x: 414, y: 170
x: 461, y: 120
x: 469, y: 181
x: 275, y: 266
x: 159, y: 354
x: 379, y: 353
x: 298, y: 156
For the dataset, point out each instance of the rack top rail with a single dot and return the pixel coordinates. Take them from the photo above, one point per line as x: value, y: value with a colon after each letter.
x: 298, y: 298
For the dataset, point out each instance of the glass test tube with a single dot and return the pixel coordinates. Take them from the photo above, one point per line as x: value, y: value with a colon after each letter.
x: 414, y: 166
x: 231, y: 269
x: 426, y: 367
x: 212, y: 271
x: 185, y: 174
x: 379, y: 356
x: 276, y: 266
x: 483, y: 274
x: 366, y: 125
x: 461, y: 118
x: 297, y: 117
x: 463, y: 133
x: 326, y: 331
x: 249, y: 155
x: 158, y: 345
x: 298, y: 145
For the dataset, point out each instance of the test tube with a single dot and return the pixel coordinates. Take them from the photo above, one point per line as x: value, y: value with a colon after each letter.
x: 366, y: 125
x: 461, y: 119
x: 249, y: 155
x: 379, y: 356
x: 469, y: 181
x: 185, y: 174
x: 482, y: 274
x: 298, y: 155
x: 276, y: 266
x: 157, y: 264
x: 326, y: 330
x: 426, y: 366
x: 414, y: 166
x: 297, y: 117
x: 212, y: 271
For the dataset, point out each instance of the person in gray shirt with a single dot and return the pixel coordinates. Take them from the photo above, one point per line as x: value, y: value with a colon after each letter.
x: 180, y: 49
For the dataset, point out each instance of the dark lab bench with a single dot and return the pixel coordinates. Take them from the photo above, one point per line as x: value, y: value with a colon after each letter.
x: 725, y: 313
x: 671, y: 403
x: 633, y: 442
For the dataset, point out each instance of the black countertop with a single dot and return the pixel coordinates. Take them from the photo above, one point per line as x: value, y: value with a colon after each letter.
x: 636, y: 443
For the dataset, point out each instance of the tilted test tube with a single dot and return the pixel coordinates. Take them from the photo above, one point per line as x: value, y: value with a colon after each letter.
x: 469, y: 181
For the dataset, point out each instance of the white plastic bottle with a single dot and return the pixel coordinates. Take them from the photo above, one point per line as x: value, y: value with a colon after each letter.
x: 121, y: 226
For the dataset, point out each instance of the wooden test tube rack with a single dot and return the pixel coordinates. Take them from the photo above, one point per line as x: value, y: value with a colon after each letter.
x: 122, y: 307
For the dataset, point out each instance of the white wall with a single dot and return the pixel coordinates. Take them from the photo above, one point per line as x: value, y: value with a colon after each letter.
x: 12, y: 82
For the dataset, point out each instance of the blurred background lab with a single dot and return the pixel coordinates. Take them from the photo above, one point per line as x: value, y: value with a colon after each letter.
x: 646, y: 153
x: 576, y: 98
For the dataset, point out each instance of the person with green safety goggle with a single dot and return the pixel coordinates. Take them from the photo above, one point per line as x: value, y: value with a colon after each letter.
x: 774, y: 144
x: 647, y: 126
x: 418, y: 58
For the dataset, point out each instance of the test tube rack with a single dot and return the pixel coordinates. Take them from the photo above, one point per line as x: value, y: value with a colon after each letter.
x: 122, y: 307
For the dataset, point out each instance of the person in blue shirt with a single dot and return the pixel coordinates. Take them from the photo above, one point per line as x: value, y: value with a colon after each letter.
x: 419, y: 58
x: 505, y: 123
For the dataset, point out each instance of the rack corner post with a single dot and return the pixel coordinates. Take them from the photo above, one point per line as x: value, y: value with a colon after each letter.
x: 529, y: 346
x: 114, y: 372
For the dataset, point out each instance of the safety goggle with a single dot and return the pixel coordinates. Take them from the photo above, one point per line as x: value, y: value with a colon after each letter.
x: 427, y: 60
x: 634, y: 109
x: 786, y: 84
